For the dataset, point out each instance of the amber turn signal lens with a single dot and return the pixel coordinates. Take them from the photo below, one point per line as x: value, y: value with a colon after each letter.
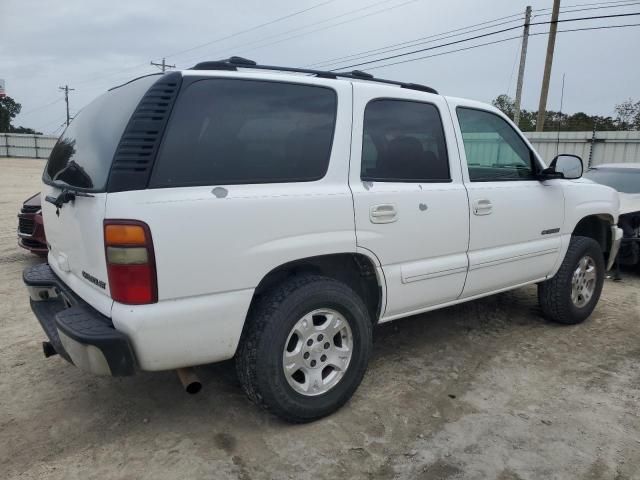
x: 124, y: 235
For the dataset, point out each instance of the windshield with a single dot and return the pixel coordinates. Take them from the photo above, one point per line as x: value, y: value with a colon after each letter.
x: 83, y: 154
x: 625, y: 180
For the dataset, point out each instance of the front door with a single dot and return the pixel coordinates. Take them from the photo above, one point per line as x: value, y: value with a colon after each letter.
x: 411, y: 207
x: 515, y: 219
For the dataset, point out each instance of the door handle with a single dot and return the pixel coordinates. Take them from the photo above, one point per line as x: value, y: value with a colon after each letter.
x: 385, y: 213
x: 482, y: 207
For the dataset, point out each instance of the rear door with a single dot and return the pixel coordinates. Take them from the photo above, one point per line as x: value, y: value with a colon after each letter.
x: 81, y: 161
x: 411, y: 206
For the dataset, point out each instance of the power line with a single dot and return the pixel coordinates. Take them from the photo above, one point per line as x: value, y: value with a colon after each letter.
x: 588, y: 4
x: 279, y: 34
x: 235, y: 48
x: 419, y: 41
x: 133, y: 67
x: 36, y: 109
x: 235, y: 34
x: 429, y: 48
x: 411, y: 43
x: 105, y: 76
x: 629, y: 4
x: 479, y: 36
x: 500, y: 41
x: 596, y: 17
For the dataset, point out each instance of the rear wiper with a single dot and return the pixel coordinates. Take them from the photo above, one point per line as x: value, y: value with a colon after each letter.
x: 65, y: 196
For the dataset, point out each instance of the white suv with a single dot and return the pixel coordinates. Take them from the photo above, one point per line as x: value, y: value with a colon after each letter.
x: 276, y: 215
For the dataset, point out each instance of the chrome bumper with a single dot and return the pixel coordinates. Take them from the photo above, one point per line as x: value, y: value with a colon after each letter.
x: 616, y: 237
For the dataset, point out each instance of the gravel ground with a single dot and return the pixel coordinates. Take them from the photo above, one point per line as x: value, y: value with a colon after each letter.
x: 485, y: 390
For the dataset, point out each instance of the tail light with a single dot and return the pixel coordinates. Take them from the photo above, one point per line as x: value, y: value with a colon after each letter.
x: 131, y: 265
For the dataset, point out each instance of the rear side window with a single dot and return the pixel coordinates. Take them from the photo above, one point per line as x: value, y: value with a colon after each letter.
x: 83, y: 154
x: 403, y: 142
x: 229, y: 131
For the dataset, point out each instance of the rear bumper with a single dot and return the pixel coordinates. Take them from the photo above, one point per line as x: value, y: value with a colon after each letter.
x: 78, y: 332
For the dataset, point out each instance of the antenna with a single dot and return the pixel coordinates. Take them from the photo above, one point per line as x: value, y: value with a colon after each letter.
x: 560, y: 116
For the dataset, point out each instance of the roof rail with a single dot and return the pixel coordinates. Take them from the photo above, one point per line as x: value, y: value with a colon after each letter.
x: 234, y: 63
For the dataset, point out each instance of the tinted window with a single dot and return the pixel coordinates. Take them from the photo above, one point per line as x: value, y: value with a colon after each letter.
x: 403, y: 141
x: 244, y: 131
x: 493, y: 148
x: 83, y: 154
x: 625, y: 180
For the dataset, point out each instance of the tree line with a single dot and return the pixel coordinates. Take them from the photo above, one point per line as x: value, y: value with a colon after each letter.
x: 9, y: 109
x: 627, y: 117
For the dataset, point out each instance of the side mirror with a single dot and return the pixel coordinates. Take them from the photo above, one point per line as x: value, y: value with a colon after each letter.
x: 569, y: 166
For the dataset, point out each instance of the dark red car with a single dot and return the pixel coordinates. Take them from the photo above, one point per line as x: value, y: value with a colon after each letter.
x: 30, y: 227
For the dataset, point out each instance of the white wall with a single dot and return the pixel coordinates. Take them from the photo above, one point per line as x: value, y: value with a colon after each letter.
x: 603, y: 147
x: 26, y: 145
x: 608, y: 147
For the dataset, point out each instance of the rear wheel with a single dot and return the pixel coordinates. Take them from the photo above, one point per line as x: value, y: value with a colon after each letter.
x: 572, y: 294
x: 305, y: 349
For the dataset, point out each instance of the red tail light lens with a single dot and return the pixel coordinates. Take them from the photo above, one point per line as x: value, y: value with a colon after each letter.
x: 130, y: 262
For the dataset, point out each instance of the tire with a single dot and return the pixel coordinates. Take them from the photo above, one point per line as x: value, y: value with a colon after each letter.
x: 555, y: 294
x: 270, y: 330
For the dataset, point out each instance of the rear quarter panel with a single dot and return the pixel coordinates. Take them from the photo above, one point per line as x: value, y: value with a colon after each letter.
x: 206, y: 243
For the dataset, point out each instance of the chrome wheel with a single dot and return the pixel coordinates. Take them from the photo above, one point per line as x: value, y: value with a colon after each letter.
x: 583, y: 282
x: 317, y: 352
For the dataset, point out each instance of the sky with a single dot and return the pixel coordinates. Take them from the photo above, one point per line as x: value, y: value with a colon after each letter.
x: 94, y: 45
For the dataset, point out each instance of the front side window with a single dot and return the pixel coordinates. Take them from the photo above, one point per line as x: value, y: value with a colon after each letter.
x: 403, y: 141
x: 230, y: 131
x: 494, y: 150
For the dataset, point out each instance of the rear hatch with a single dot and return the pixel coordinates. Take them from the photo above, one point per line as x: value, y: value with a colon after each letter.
x: 80, y: 163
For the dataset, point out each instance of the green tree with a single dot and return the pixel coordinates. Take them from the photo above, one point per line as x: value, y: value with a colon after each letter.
x: 9, y: 109
x: 628, y: 114
x: 505, y: 104
x: 628, y: 118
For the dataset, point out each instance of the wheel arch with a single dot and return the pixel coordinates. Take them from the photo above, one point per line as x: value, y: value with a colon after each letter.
x: 359, y: 270
x: 598, y: 227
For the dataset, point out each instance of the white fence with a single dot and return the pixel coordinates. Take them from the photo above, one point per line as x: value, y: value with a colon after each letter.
x: 594, y: 148
x: 26, y: 145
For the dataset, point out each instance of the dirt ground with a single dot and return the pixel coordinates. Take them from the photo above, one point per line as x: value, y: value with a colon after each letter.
x: 485, y: 390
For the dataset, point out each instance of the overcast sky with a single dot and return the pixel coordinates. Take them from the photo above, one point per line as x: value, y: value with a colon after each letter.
x: 94, y: 45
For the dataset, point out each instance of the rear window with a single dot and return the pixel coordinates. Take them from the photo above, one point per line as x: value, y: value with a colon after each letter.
x: 230, y: 131
x: 83, y: 154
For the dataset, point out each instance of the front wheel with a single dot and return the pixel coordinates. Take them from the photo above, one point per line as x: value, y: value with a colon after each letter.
x: 572, y: 294
x: 305, y: 348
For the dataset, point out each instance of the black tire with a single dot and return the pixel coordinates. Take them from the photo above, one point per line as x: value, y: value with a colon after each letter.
x: 554, y: 295
x: 259, y: 361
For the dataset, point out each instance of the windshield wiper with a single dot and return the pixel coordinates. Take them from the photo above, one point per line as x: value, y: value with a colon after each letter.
x: 65, y: 196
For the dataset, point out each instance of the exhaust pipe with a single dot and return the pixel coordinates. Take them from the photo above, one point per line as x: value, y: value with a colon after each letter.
x: 189, y: 380
x: 48, y: 349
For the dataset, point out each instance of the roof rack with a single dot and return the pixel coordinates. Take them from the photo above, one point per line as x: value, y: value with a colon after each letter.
x: 233, y: 63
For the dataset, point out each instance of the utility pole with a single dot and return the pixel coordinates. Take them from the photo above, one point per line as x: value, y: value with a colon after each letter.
x: 163, y: 66
x: 523, y: 61
x: 66, y: 91
x: 551, y: 44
